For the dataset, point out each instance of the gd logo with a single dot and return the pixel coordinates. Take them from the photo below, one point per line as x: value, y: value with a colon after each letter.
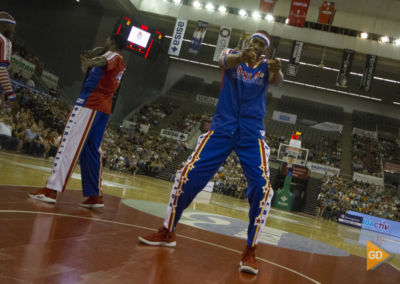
x: 375, y: 256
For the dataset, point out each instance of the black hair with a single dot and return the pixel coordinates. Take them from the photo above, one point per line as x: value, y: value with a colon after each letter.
x: 119, y: 40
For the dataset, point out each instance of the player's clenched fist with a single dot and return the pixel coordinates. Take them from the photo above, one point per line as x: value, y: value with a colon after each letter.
x: 249, y: 55
x: 274, y: 65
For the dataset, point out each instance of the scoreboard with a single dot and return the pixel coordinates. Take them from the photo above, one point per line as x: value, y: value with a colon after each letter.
x: 142, y: 40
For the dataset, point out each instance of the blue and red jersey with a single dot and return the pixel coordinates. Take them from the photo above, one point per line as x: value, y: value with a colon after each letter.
x: 102, y: 83
x: 242, y: 100
x: 5, y: 56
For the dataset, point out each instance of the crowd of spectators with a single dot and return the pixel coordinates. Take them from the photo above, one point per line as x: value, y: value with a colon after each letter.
x: 390, y: 150
x: 326, y: 151
x: 153, y: 113
x: 188, y: 122
x: 230, y: 179
x: 338, y: 196
x: 129, y: 152
x: 366, y: 156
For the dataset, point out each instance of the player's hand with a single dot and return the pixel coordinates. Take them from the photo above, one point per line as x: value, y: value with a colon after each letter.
x: 84, y: 64
x: 249, y: 56
x: 274, y: 65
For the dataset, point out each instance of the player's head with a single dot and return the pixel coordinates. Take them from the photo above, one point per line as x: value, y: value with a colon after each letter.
x: 7, y: 25
x: 116, y: 42
x: 260, y: 41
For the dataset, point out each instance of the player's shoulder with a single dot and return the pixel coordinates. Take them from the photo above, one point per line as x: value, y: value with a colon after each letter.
x: 110, y: 55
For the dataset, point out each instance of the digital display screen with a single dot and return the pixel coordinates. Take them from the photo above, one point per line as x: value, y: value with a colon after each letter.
x: 139, y: 37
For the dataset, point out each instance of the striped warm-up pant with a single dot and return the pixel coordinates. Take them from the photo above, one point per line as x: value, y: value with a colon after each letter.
x: 82, y: 138
x: 211, y: 151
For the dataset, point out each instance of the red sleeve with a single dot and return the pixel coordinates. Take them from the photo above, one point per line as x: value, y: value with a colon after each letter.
x: 113, y: 60
x: 5, y: 49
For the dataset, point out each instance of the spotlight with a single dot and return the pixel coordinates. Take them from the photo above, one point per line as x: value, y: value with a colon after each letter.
x: 256, y: 15
x: 242, y: 13
x: 177, y: 1
x: 385, y: 39
x: 197, y: 4
x: 269, y: 18
x: 210, y: 7
x: 287, y: 21
x: 222, y: 9
x: 364, y: 35
x: 397, y: 41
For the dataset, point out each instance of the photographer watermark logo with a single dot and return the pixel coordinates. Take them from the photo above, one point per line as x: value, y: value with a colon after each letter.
x: 375, y: 256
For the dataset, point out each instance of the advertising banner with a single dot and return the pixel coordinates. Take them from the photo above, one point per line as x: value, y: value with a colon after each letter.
x: 368, y: 179
x: 323, y: 169
x: 284, y: 117
x: 345, y: 68
x: 173, y: 135
x: 50, y: 79
x: 206, y: 100
x: 21, y: 66
x: 177, y: 37
x: 369, y: 72
x: 198, y: 36
x: 351, y: 220
x: 223, y: 41
x: 294, y: 59
x: 377, y: 224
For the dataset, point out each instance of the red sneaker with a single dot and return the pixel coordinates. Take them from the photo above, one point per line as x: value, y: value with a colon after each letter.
x: 249, y: 263
x: 161, y: 238
x: 44, y: 194
x: 93, y: 202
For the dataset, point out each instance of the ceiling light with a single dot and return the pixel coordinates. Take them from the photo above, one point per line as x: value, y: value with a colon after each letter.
x: 177, y: 1
x: 256, y: 15
x: 397, y: 41
x: 385, y: 39
x: 364, y: 35
x: 210, y: 7
x: 242, y: 12
x: 287, y: 21
x: 269, y: 18
x: 197, y: 4
x: 222, y: 9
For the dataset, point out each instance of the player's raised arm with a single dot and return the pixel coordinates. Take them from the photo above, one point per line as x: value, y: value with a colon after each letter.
x: 275, y: 72
x: 229, y: 59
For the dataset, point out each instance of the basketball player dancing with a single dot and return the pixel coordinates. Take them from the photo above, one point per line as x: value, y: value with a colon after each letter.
x: 86, y: 124
x: 238, y: 124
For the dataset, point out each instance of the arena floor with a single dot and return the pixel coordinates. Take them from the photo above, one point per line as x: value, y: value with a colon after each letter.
x: 43, y: 243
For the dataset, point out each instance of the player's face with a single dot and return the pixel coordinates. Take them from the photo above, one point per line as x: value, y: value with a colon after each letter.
x: 8, y: 30
x: 258, y: 45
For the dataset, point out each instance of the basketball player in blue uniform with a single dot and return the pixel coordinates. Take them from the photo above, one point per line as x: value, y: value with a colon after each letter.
x: 238, y: 124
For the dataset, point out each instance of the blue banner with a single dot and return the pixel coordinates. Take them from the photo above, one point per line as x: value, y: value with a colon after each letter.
x: 377, y: 224
x: 351, y: 220
x: 198, y: 36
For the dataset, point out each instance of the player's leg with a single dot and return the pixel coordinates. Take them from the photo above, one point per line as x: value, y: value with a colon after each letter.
x: 211, y: 151
x: 74, y: 136
x: 91, y: 163
x: 253, y: 155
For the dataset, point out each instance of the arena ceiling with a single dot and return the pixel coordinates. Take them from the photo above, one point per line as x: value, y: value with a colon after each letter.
x: 388, y: 92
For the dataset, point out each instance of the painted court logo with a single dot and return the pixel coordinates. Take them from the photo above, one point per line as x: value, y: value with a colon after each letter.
x: 375, y: 256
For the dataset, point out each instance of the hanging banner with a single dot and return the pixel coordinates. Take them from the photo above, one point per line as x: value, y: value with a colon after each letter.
x: 369, y: 72
x: 50, y: 79
x: 298, y: 12
x: 294, y: 59
x: 223, y: 41
x: 267, y: 6
x: 198, y: 36
x: 326, y: 13
x: 177, y: 37
x: 345, y: 68
x: 21, y: 66
x: 275, y: 46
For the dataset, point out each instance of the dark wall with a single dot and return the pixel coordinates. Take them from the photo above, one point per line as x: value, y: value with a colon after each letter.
x: 57, y: 31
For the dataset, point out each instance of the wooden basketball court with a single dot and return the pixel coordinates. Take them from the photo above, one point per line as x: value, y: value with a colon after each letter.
x: 65, y: 243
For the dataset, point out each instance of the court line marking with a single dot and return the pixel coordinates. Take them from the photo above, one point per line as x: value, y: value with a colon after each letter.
x: 151, y: 229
